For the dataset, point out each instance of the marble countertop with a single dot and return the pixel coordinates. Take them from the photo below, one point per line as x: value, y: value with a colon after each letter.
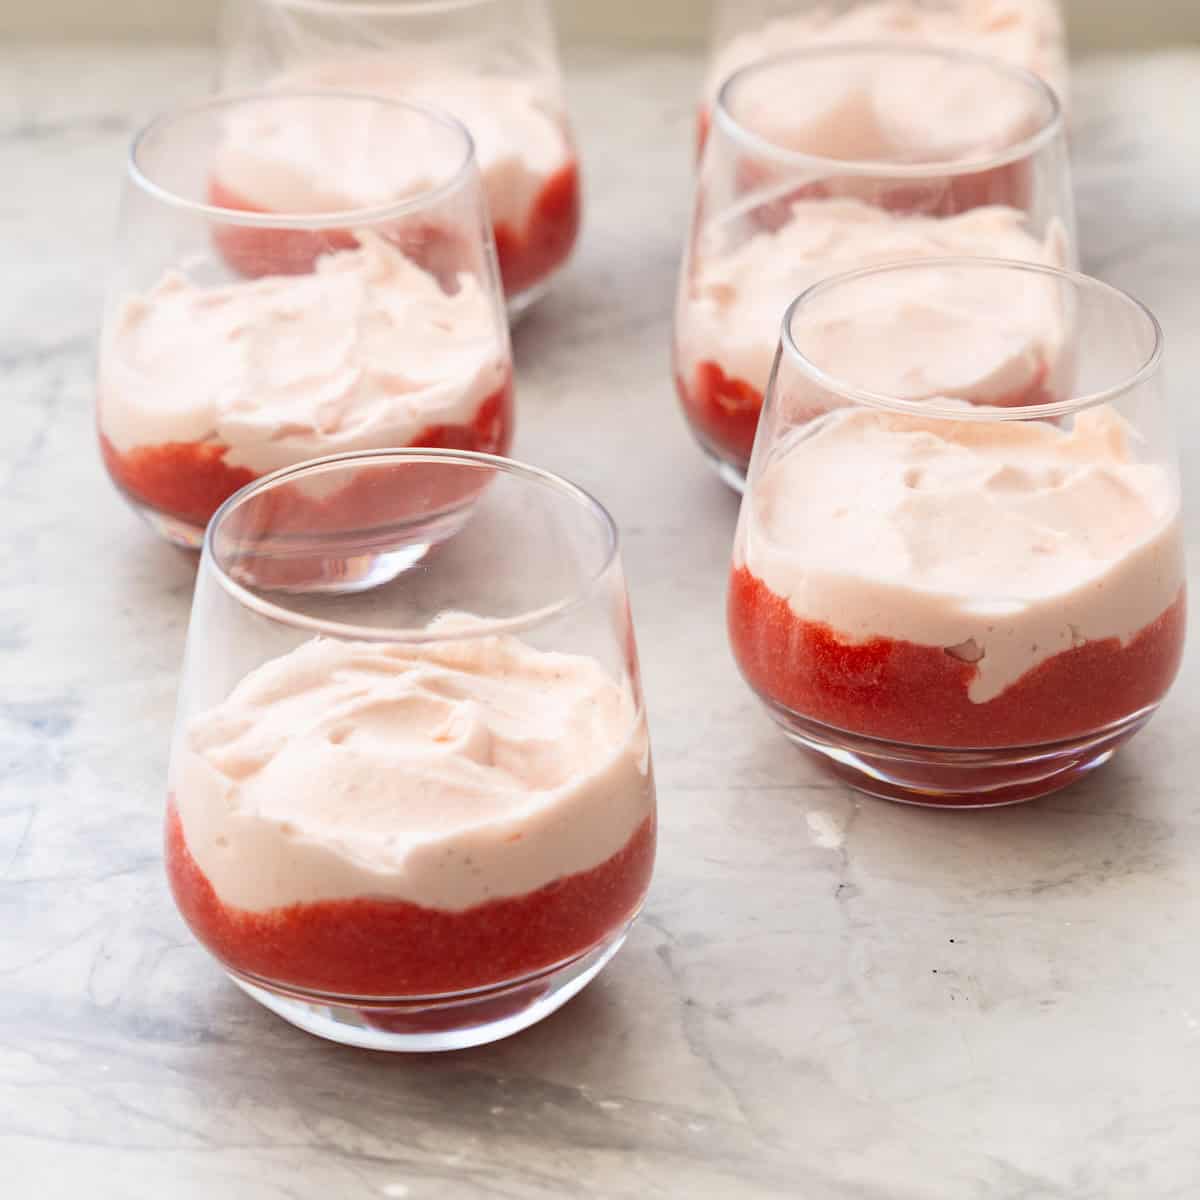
x: 827, y: 996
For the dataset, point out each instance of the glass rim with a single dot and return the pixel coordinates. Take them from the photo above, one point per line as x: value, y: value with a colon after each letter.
x: 328, y: 219
x: 383, y: 6
x: 1048, y: 130
x: 348, y: 631
x: 925, y: 408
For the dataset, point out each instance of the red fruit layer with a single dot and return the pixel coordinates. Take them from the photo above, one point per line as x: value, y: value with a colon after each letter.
x: 939, y: 196
x: 526, y: 256
x: 917, y: 695
x: 393, y: 948
x: 190, y: 480
x: 725, y: 411
x: 255, y: 252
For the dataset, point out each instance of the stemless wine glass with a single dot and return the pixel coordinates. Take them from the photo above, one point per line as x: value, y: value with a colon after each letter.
x: 958, y: 576
x: 838, y: 157
x: 419, y: 816
x: 262, y: 313
x: 493, y: 63
x: 1023, y: 33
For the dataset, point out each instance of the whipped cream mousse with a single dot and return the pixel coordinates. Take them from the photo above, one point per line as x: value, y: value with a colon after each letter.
x: 1022, y: 33
x: 971, y: 584
x: 375, y: 820
x: 203, y: 389
x: 727, y: 323
x: 308, y: 161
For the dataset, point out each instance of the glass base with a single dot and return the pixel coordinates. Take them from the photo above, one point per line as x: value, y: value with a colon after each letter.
x: 519, y: 305
x: 453, y: 1022
x: 328, y: 575
x: 306, y: 567
x: 731, y: 473
x: 936, y: 778
x: 175, y: 530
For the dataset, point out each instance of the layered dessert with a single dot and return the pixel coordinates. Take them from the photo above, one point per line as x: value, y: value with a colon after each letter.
x: 960, y: 583
x: 731, y: 304
x: 1023, y: 33
x: 203, y: 389
x: 918, y: 134
x: 304, y: 163
x: 381, y: 820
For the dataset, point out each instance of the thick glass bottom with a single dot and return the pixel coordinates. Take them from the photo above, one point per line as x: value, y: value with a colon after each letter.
x: 936, y: 778
x: 306, y: 572
x: 730, y: 471
x: 434, y: 1023
x: 319, y: 563
x: 184, y: 534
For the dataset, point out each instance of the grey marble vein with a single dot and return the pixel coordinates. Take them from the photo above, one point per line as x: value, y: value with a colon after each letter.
x: 828, y: 997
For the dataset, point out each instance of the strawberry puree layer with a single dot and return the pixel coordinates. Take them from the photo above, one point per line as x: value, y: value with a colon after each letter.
x: 529, y: 255
x: 185, y: 480
x: 190, y: 480
x: 369, y: 947
x: 725, y: 411
x: 254, y: 252
x: 526, y: 254
x: 918, y: 695
x: 1009, y: 185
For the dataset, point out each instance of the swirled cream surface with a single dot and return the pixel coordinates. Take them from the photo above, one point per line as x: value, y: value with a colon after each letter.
x: 730, y: 310
x: 1004, y: 542
x: 1023, y: 33
x: 366, y: 351
x: 444, y: 774
x: 305, y: 157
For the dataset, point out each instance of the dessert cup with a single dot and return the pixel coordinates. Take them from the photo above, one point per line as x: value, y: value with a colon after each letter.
x: 419, y: 815
x: 897, y: 153
x: 236, y: 343
x: 1030, y: 34
x: 958, y: 575
x: 492, y: 63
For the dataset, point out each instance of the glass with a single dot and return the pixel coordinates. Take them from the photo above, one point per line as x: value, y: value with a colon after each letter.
x: 417, y: 815
x: 238, y: 341
x: 958, y: 576
x: 1022, y: 33
x: 493, y: 63
x: 825, y: 160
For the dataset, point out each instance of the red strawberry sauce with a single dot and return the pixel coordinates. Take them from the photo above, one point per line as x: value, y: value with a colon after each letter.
x: 526, y: 254
x: 190, y: 480
x: 724, y: 411
x: 392, y: 948
x: 917, y: 695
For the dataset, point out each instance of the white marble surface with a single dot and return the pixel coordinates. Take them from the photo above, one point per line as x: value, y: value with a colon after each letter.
x: 828, y: 997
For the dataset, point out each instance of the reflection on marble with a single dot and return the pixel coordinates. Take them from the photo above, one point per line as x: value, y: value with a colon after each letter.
x: 828, y: 997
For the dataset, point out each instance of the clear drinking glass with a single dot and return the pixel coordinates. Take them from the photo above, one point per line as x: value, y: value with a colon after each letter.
x: 237, y: 342
x: 824, y: 160
x: 1023, y: 33
x: 493, y: 63
x: 420, y: 815
x: 958, y: 576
